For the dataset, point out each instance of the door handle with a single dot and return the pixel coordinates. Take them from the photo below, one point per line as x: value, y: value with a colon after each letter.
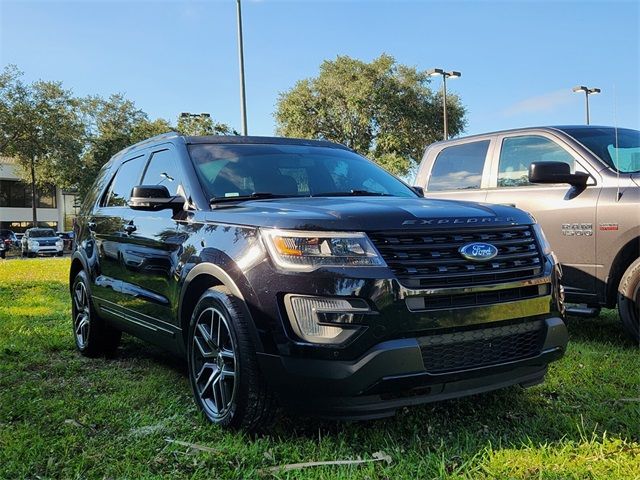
x: 130, y: 228
x: 91, y: 226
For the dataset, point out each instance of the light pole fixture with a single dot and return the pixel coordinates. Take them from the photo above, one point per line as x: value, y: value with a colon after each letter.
x: 243, y: 100
x: 194, y: 115
x: 587, y: 91
x: 452, y: 74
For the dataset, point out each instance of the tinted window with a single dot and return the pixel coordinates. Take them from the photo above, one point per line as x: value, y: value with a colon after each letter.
x: 42, y: 233
x: 126, y: 178
x: 162, y: 169
x: 518, y: 153
x: 293, y: 170
x: 618, y: 148
x: 459, y: 167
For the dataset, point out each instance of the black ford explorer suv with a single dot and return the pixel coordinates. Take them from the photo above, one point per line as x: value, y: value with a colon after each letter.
x: 298, y: 272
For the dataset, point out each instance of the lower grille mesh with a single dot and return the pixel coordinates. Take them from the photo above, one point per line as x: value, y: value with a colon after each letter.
x: 483, y: 347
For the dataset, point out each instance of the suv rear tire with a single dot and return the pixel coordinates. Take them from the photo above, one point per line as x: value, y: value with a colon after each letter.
x: 629, y: 300
x: 223, y: 369
x: 92, y: 336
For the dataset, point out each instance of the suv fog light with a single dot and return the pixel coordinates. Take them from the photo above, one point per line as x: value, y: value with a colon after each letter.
x: 317, y: 319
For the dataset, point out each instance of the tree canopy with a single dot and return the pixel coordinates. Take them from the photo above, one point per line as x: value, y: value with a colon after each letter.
x: 381, y: 109
x: 41, y: 128
x: 57, y: 138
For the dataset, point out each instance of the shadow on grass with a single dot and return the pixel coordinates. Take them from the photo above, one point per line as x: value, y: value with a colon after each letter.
x: 605, y: 330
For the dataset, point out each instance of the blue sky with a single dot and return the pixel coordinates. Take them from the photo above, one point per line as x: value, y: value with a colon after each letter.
x: 519, y: 60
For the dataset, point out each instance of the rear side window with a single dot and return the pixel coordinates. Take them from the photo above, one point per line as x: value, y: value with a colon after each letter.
x: 518, y: 153
x: 127, y: 177
x: 162, y: 169
x: 459, y: 167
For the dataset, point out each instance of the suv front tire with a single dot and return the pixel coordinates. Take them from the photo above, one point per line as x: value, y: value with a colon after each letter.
x: 223, y: 369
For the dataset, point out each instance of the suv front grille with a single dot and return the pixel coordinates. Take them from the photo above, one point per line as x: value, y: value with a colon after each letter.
x: 482, y: 347
x: 431, y: 259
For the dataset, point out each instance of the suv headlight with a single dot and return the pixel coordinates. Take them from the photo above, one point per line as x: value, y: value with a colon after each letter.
x: 59, y: 243
x: 33, y: 243
x: 542, y: 239
x: 308, y: 251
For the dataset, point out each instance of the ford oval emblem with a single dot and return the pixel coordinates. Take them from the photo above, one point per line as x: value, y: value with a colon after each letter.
x: 478, y: 252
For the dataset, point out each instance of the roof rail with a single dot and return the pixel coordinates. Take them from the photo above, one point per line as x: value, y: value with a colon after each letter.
x: 162, y: 136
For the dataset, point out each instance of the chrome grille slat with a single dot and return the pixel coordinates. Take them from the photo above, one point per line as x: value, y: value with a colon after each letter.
x: 431, y: 258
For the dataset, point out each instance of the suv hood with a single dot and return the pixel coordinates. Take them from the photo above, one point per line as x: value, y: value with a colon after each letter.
x: 365, y: 213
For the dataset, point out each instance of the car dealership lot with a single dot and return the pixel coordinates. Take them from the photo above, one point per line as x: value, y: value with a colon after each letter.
x: 64, y: 416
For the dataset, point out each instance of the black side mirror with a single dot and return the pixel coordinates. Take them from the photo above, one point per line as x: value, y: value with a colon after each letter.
x: 154, y: 198
x: 418, y: 190
x: 556, y: 172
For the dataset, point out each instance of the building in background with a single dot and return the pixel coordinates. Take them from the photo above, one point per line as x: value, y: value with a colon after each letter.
x: 56, y: 208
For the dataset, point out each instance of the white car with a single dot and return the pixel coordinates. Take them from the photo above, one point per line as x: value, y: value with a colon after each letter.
x: 44, y: 241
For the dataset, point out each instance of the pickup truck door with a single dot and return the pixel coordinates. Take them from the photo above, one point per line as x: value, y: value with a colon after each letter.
x: 458, y: 171
x: 567, y: 215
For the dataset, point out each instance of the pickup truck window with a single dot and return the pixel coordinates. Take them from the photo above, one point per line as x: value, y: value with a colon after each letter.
x: 518, y: 153
x: 618, y: 148
x: 459, y: 167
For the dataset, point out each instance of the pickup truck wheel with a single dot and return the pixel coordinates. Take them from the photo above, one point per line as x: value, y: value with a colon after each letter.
x: 629, y: 300
x: 93, y: 337
x: 223, y: 370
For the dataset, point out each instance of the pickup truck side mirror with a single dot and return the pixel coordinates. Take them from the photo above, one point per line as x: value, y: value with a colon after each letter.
x: 556, y: 172
x: 154, y: 198
x: 418, y: 190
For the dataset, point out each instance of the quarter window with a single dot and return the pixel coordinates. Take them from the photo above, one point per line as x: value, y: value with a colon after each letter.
x: 518, y: 153
x: 162, y: 170
x: 126, y: 178
x: 459, y: 167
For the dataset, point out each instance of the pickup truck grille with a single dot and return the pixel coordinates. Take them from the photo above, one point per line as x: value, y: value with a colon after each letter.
x: 423, y: 259
x: 483, y: 347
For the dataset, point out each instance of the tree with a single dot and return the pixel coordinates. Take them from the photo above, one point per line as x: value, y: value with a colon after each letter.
x: 202, y: 125
x: 113, y: 123
x: 40, y: 126
x: 380, y: 109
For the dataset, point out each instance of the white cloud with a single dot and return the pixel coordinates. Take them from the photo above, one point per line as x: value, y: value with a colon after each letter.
x: 547, y: 102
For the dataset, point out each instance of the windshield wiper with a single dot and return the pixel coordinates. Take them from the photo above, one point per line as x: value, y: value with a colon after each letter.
x: 352, y: 193
x: 241, y: 198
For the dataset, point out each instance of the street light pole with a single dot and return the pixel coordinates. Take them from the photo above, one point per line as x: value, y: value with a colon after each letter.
x: 587, y: 91
x: 452, y: 74
x: 243, y: 100
x: 444, y: 107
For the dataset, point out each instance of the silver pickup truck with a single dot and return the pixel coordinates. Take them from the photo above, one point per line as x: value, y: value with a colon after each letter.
x: 581, y: 183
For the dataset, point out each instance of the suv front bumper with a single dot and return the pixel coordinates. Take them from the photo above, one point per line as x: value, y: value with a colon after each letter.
x: 393, y: 374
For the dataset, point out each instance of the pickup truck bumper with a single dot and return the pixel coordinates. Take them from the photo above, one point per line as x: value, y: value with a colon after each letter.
x: 403, y: 372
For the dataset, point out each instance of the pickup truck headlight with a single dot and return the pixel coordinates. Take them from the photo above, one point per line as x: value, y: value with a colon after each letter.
x: 307, y: 251
x: 542, y: 239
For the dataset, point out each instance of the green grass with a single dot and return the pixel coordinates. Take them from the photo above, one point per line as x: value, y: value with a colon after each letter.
x: 65, y: 416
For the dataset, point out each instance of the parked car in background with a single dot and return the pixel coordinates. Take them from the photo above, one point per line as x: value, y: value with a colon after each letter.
x: 67, y: 239
x: 298, y: 272
x: 581, y: 183
x: 41, y: 241
x: 8, y: 242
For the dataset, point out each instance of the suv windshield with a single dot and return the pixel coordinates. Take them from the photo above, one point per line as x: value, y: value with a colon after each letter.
x: 42, y: 233
x: 621, y: 152
x: 272, y: 170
